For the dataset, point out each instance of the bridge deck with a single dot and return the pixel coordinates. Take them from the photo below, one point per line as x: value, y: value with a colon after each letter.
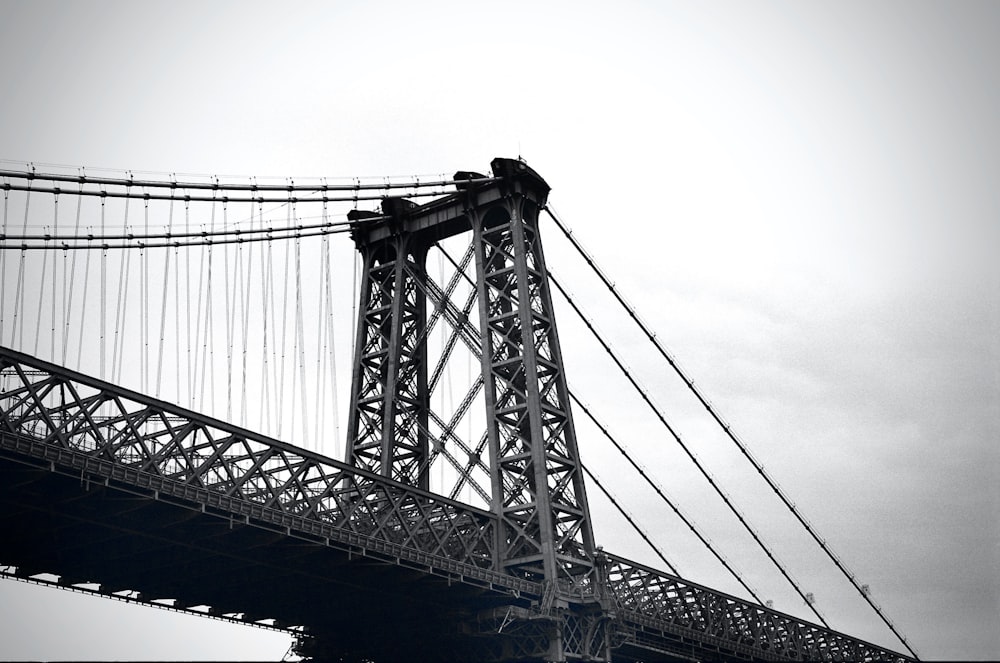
x: 102, y: 485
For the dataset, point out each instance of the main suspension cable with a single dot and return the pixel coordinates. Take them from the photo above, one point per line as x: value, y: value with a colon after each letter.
x: 217, y: 185
x: 145, y: 195
x: 687, y: 450
x: 680, y: 514
x: 460, y: 269
x: 230, y: 238
x: 207, y: 235
x: 631, y: 521
x: 727, y: 428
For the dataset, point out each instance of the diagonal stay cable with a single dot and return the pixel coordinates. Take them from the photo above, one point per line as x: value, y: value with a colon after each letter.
x: 645, y: 476
x: 630, y: 520
x: 728, y: 429
x: 690, y: 454
x: 680, y: 514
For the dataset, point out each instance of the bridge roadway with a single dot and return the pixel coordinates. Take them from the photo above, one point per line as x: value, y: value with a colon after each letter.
x: 157, y: 504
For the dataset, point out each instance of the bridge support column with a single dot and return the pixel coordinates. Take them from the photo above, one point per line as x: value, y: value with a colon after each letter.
x: 538, y: 486
x: 537, y: 490
x: 387, y: 427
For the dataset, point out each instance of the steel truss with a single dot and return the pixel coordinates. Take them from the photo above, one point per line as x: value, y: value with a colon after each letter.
x: 98, y: 433
x: 657, y: 608
x: 91, y: 427
x: 552, y: 595
x: 390, y: 395
x: 536, y: 485
x: 537, y: 474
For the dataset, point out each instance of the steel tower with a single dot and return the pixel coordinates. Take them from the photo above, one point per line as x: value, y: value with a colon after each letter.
x: 537, y: 488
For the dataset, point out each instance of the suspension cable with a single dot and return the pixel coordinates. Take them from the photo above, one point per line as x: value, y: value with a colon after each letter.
x: 690, y: 454
x: 680, y: 514
x: 163, y: 307
x: 217, y: 185
x: 246, y: 234
x: 17, y: 330
x: 292, y: 233
x: 3, y: 268
x: 128, y: 194
x: 68, y: 315
x: 603, y: 429
x: 631, y: 521
x: 713, y: 411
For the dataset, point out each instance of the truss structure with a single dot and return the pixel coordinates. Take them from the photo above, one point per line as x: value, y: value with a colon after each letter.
x: 521, y: 576
x: 96, y: 433
x: 74, y: 421
x: 533, y: 479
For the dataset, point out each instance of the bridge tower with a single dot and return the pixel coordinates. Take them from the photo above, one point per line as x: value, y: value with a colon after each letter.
x: 537, y: 487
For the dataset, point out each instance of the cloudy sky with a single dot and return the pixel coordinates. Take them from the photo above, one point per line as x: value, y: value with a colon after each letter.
x: 801, y: 199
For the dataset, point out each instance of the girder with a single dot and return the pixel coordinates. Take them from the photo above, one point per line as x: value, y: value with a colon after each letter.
x: 92, y: 427
x: 107, y: 486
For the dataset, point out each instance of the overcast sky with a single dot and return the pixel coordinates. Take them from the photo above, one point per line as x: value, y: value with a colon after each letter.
x: 803, y: 200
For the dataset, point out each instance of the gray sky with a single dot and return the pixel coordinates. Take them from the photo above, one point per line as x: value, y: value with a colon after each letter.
x: 800, y: 198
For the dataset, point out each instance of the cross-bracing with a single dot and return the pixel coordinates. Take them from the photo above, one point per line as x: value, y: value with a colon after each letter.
x: 524, y: 469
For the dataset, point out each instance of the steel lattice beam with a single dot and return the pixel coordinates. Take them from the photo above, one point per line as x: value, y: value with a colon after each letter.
x: 70, y: 424
x: 86, y: 425
x: 665, y: 606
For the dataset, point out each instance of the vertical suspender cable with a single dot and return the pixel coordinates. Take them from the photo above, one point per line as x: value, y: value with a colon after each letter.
x: 208, y: 348
x: 120, y: 307
x: 41, y: 288
x: 295, y: 340
x: 17, y: 330
x: 68, y: 301
x: 83, y: 304
x: 245, y: 293
x: 229, y: 319
x: 163, y: 303
x: 104, y: 294
x: 320, y: 391
x: 201, y: 336
x: 265, y: 286
x: 177, y: 315
x: 144, y: 292
x: 238, y: 284
x: 55, y: 280
x: 727, y: 428
x: 331, y: 343
x: 273, y: 327
x: 205, y: 254
x: 64, y: 307
x: 300, y: 338
x: 284, y: 337
x: 55, y: 284
x: 3, y: 264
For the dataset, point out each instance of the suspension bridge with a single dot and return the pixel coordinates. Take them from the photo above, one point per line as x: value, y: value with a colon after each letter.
x: 167, y: 340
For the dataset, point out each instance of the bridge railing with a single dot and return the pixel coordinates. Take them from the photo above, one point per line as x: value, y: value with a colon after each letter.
x: 53, y: 414
x: 659, y: 600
